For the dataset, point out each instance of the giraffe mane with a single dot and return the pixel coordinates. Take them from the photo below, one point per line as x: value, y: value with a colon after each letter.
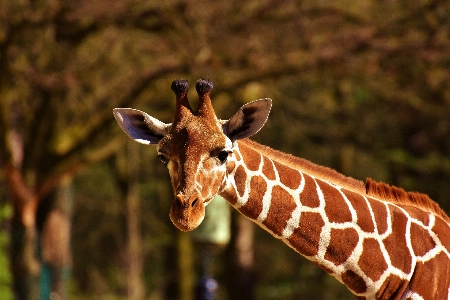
x: 371, y: 188
x: 308, y: 167
x: 398, y: 195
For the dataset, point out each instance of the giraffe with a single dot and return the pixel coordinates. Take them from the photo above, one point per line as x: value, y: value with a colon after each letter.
x: 377, y: 239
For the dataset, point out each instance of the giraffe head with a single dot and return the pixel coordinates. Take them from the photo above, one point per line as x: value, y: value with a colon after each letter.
x: 195, y: 147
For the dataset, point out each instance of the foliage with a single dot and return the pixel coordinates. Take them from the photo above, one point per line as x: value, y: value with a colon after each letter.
x: 5, y: 276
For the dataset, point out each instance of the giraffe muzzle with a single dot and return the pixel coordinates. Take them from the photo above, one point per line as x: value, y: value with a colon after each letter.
x: 187, y: 212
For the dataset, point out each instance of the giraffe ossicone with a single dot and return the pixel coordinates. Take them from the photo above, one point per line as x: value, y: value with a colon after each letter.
x: 380, y: 241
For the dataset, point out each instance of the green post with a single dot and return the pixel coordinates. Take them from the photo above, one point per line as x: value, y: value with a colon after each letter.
x: 215, y: 228
x: 213, y: 234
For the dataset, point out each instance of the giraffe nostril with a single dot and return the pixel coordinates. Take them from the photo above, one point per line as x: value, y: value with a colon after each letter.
x: 179, y: 200
x: 194, y: 202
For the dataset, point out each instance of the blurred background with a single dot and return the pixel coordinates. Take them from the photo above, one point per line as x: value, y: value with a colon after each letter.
x: 361, y: 86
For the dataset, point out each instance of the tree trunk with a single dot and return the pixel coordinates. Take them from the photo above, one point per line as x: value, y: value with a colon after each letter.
x: 55, y: 244
x: 186, y: 274
x: 135, y: 285
x: 25, y: 265
x: 239, y: 273
x: 245, y: 258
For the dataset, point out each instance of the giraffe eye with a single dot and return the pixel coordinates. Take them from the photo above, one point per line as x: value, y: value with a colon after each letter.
x: 223, y: 156
x: 164, y: 159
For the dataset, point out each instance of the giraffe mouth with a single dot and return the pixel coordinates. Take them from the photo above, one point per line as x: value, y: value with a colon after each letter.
x: 207, y: 201
x: 185, y: 224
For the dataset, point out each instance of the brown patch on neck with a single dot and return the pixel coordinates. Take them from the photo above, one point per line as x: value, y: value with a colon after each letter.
x: 398, y: 195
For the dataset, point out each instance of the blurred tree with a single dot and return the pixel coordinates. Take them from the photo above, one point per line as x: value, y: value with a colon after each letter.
x: 240, y: 275
x: 127, y: 168
x: 54, y: 241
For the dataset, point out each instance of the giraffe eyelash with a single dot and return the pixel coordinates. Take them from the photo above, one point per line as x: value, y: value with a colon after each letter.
x: 223, y: 156
x: 164, y: 159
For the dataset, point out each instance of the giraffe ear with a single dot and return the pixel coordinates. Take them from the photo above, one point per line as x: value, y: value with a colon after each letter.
x: 140, y: 126
x: 248, y: 120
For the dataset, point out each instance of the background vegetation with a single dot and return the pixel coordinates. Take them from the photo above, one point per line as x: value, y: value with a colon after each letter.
x: 360, y: 86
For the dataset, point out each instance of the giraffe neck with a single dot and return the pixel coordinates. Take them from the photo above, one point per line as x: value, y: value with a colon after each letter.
x: 328, y: 218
